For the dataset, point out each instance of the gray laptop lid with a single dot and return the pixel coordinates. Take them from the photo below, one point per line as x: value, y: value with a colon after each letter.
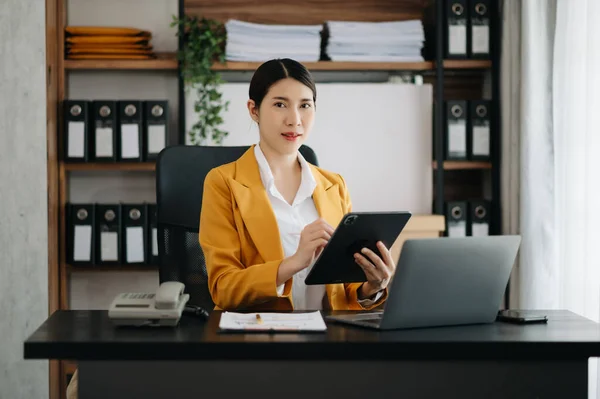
x: 449, y: 281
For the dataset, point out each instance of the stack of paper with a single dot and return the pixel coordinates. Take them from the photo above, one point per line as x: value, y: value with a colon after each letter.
x: 248, y: 41
x: 99, y: 42
x: 295, y: 322
x: 397, y: 41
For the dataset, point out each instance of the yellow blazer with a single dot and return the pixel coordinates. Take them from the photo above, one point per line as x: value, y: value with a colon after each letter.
x: 240, y: 238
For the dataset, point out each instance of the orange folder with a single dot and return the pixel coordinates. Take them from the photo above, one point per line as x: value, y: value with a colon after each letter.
x: 107, y: 39
x: 105, y: 31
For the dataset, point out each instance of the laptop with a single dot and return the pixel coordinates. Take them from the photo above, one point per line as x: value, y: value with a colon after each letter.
x: 443, y: 282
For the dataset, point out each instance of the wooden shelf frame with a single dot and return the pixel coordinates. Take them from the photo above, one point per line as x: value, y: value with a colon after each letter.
x: 113, y: 166
x: 464, y: 165
x: 151, y: 166
x: 365, y: 66
x: 110, y: 268
x: 168, y: 61
x: 164, y: 61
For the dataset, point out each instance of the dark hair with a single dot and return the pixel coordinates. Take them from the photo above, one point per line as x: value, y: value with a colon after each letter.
x: 273, y: 71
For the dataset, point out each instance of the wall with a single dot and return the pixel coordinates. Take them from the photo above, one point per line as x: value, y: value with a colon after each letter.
x: 23, y: 195
x: 389, y: 138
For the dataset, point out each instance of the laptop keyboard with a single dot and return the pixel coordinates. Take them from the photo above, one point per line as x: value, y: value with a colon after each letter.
x: 369, y: 316
x: 370, y: 322
x: 370, y: 319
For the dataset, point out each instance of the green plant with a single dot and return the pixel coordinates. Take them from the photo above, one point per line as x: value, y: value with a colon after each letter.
x: 203, y: 45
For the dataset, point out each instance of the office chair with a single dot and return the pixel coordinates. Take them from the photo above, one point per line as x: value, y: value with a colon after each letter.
x: 180, y: 173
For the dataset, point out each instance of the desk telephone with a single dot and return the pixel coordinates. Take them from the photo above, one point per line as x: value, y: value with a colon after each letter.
x: 162, y: 308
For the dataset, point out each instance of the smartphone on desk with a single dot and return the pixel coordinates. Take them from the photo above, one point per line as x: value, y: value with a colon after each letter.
x: 521, y: 317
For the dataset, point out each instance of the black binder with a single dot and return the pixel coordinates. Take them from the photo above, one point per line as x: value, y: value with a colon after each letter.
x: 104, y: 128
x: 76, y: 130
x: 456, y: 32
x: 80, y: 234
x: 108, y: 234
x: 156, y: 131
x: 479, y: 27
x: 455, y: 131
x: 479, y: 130
x: 134, y: 233
x: 152, y: 235
x: 130, y: 131
x: 479, y: 218
x: 456, y: 218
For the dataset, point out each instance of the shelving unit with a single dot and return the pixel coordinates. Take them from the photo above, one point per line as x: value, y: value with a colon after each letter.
x: 460, y: 165
x: 111, y: 268
x: 150, y: 166
x: 117, y: 166
x: 451, y: 78
x: 164, y: 61
x: 365, y: 66
x: 168, y: 61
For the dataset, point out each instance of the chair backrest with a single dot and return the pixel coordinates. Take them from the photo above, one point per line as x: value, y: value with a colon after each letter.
x: 180, y: 174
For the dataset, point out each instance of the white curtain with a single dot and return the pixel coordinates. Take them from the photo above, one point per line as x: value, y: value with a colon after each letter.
x: 551, y: 147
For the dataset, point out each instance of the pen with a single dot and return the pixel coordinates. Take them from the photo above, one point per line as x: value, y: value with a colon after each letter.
x: 258, y: 319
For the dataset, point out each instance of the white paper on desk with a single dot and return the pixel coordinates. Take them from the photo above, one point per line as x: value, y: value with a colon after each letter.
x: 312, y: 321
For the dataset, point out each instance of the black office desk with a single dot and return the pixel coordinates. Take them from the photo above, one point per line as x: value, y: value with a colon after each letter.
x: 195, y: 361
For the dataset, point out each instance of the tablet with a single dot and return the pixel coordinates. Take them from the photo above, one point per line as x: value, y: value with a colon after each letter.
x: 336, y: 262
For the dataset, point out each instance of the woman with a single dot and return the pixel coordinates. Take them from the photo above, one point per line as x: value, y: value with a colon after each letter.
x: 266, y: 216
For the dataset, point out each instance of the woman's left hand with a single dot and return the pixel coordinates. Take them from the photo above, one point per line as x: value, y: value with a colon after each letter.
x: 379, y: 270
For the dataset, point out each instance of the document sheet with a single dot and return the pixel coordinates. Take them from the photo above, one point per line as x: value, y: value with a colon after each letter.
x: 233, y: 321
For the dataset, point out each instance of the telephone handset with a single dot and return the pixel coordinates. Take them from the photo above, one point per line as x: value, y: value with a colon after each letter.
x: 161, y: 308
x: 169, y: 294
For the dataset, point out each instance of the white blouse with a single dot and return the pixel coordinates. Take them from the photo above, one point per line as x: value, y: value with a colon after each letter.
x: 291, y: 220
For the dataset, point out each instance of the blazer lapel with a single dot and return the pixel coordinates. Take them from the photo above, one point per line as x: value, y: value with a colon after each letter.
x: 257, y: 213
x: 327, y: 199
x: 255, y: 207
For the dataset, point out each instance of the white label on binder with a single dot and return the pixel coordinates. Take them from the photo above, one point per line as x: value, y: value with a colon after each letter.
x: 82, y: 243
x: 457, y: 229
x: 481, y: 140
x: 154, y: 242
x: 104, y: 142
x: 130, y: 145
x: 480, y: 229
x: 481, y: 39
x: 135, y: 244
x: 156, y: 138
x: 458, y: 39
x: 76, y: 140
x: 457, y: 138
x: 109, y: 248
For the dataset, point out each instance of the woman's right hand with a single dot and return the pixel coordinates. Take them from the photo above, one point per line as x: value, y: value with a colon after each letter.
x: 313, y: 239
